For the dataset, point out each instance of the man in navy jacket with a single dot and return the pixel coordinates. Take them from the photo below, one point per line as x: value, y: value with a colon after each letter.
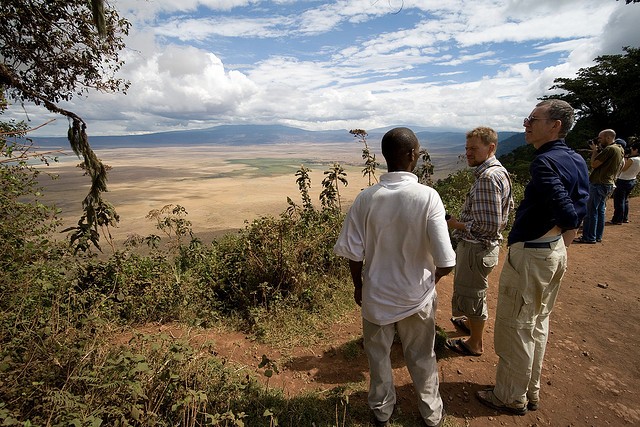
x: 554, y: 204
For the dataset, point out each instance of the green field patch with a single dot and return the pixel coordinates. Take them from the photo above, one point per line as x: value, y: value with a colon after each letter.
x: 266, y: 167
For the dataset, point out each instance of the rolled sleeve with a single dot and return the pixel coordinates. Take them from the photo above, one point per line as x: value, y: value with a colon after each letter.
x: 438, y: 233
x: 350, y: 243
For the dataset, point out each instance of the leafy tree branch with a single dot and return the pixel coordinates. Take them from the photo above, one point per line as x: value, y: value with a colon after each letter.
x: 51, y: 52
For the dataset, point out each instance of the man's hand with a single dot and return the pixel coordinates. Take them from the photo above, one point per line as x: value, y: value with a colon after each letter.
x: 568, y: 236
x: 355, y: 267
x: 451, y: 221
x: 357, y: 296
x: 454, y: 224
x: 441, y: 272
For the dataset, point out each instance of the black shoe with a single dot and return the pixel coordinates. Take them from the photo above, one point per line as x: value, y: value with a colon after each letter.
x: 486, y: 397
x: 580, y: 240
x: 532, y: 405
x: 378, y: 423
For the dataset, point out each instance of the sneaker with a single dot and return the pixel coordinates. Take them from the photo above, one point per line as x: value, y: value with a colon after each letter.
x: 488, y: 398
x: 532, y: 405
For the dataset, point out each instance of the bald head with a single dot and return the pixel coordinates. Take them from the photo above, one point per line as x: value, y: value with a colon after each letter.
x: 400, y: 148
x: 607, y: 137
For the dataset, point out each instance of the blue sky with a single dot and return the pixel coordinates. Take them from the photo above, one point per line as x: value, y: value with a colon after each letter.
x: 318, y: 65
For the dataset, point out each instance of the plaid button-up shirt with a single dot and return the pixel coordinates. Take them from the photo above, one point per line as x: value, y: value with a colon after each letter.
x: 485, y: 212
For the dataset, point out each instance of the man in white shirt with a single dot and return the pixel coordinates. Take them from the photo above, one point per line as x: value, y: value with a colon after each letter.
x: 396, y: 239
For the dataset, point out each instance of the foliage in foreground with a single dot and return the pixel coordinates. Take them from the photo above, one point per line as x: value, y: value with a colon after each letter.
x: 63, y: 358
x: 62, y: 361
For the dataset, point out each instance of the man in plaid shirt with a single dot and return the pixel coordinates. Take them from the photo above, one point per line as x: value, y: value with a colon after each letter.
x: 479, y: 230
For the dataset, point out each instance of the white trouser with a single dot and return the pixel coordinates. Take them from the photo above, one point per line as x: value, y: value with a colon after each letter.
x: 417, y: 333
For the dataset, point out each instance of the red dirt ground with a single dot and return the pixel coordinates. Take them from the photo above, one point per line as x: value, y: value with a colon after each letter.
x: 591, y: 370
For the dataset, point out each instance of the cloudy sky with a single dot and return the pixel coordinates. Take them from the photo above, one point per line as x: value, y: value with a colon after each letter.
x: 346, y: 64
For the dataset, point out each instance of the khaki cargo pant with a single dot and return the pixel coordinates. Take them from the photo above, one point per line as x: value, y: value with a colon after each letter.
x: 529, y: 285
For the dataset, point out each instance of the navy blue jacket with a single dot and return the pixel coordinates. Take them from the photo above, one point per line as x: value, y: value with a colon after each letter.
x: 556, y: 195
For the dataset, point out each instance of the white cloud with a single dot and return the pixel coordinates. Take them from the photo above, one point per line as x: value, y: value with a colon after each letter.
x: 201, y: 29
x: 621, y: 30
x: 186, y: 82
x: 349, y: 63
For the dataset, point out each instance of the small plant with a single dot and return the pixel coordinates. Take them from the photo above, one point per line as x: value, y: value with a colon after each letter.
x: 273, y: 418
x: 341, y: 395
x: 370, y: 163
x: 330, y: 195
x: 170, y: 220
x: 424, y: 169
x: 270, y: 367
x: 304, y: 184
x: 441, y: 340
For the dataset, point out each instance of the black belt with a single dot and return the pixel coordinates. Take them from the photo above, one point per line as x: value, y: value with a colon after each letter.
x: 539, y: 245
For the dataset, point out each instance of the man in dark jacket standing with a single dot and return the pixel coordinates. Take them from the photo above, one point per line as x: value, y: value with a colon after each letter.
x: 554, y: 204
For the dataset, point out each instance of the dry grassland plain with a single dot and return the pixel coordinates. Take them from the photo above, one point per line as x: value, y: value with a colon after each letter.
x: 220, y: 187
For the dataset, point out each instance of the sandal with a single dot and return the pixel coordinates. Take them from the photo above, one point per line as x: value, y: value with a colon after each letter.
x: 459, y: 346
x: 458, y: 322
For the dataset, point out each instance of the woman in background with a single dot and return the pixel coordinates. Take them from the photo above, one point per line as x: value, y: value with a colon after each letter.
x: 624, y: 185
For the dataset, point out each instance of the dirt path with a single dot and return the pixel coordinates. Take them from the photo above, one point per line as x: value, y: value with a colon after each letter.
x: 591, y: 371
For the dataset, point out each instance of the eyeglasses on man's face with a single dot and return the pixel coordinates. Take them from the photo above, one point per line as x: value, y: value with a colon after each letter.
x: 528, y: 121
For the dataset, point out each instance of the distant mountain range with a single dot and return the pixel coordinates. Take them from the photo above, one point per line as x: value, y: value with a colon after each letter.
x: 238, y: 135
x: 509, y: 141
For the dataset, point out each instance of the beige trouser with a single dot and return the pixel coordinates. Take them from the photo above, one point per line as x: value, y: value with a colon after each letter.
x: 474, y: 262
x: 529, y: 285
x: 417, y: 333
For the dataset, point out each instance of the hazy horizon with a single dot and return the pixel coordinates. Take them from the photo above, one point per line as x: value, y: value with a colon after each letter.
x: 221, y: 187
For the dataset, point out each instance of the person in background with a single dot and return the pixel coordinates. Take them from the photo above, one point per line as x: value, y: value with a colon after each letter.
x: 605, y: 166
x: 484, y: 215
x: 554, y: 203
x: 621, y: 142
x: 396, y: 239
x: 624, y: 185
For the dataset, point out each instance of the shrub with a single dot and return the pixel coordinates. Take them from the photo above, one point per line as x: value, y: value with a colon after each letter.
x: 273, y: 260
x: 456, y: 186
x: 128, y: 288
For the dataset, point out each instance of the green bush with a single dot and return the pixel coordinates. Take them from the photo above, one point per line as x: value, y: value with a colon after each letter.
x: 128, y: 289
x: 273, y: 260
x: 456, y: 186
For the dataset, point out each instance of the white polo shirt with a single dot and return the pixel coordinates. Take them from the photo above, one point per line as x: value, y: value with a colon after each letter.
x: 397, y: 227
